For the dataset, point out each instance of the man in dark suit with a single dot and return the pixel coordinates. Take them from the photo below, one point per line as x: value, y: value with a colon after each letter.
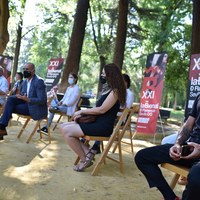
x: 31, y: 101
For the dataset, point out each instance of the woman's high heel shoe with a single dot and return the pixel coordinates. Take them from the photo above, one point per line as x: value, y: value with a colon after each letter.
x: 82, y: 165
x: 91, y: 154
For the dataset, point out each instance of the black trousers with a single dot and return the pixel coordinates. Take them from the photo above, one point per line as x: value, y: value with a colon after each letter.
x: 148, y: 160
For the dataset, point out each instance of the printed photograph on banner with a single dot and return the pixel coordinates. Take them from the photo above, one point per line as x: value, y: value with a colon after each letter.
x: 6, y: 63
x: 151, y: 92
x: 193, y: 89
x: 54, y: 72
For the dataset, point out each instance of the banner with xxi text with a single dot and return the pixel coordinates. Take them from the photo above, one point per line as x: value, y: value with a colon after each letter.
x: 54, y: 72
x: 193, y: 82
x: 151, y: 93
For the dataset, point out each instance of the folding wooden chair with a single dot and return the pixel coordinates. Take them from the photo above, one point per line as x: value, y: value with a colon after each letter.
x: 61, y: 114
x: 115, y: 137
x: 178, y: 170
x: 37, y: 125
x: 127, y: 126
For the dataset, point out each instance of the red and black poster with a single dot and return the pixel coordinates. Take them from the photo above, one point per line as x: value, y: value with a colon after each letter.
x: 193, y: 82
x: 151, y: 93
x: 54, y: 72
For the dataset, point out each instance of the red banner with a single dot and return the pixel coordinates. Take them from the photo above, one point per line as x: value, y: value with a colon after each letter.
x: 151, y: 93
x: 193, y: 82
x: 54, y: 72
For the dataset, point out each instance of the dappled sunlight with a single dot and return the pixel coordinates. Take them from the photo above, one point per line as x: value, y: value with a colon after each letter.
x: 37, y: 170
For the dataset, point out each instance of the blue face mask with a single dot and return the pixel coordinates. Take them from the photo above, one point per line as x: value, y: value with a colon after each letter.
x: 70, y: 81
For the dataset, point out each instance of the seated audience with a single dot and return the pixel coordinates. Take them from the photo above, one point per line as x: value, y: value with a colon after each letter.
x: 106, y: 111
x: 68, y: 103
x: 3, y: 87
x: 18, y: 83
x: 53, y: 94
x: 31, y: 101
x: 149, y: 159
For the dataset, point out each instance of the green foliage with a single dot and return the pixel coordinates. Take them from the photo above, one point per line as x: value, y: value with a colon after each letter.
x: 152, y: 26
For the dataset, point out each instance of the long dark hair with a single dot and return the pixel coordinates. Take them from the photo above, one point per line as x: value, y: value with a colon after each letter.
x: 116, y: 82
x: 75, y: 77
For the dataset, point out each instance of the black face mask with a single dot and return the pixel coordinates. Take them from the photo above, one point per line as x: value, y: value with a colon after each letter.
x: 27, y: 74
x: 102, y: 79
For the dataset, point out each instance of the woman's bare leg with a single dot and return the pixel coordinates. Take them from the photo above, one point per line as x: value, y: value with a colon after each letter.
x: 72, y: 132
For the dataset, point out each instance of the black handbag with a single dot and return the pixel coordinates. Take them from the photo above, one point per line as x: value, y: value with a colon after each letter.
x: 85, y: 118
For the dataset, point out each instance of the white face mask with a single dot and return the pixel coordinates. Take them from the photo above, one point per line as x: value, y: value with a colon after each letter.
x: 15, y: 79
x: 70, y: 81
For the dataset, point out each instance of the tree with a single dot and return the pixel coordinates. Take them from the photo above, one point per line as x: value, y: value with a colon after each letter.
x: 4, y: 16
x: 121, y: 33
x: 195, y: 42
x: 18, y: 43
x: 76, y: 42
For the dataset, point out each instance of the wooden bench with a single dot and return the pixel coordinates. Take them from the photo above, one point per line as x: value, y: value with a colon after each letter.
x: 178, y: 170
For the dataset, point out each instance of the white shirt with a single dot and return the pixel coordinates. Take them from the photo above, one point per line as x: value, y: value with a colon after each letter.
x: 28, y: 86
x: 129, y: 98
x: 3, y: 86
x: 71, y: 98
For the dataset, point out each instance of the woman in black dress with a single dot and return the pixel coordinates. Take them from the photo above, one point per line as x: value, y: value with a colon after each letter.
x: 106, y: 111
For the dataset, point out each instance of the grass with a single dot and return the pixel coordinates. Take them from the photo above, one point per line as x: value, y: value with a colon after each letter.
x: 176, y: 116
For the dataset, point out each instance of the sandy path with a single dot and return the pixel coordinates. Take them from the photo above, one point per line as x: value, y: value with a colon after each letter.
x: 37, y: 171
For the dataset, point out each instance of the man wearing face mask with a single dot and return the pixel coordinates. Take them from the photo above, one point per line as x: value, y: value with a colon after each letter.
x: 69, y: 102
x: 31, y: 101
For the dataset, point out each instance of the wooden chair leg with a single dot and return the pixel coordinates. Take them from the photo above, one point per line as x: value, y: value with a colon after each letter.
x: 34, y: 130
x: 120, y: 156
x: 57, y: 122
x: 49, y: 133
x: 23, y: 127
x: 174, y: 181
x: 131, y: 140
x: 103, y: 156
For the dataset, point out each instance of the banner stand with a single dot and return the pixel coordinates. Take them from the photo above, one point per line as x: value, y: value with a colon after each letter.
x: 163, y: 131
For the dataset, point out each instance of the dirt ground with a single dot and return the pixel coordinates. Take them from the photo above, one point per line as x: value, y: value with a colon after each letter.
x: 42, y: 171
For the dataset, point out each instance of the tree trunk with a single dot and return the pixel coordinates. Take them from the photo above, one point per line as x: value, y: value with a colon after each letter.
x: 76, y: 42
x: 102, y: 64
x: 17, y: 49
x: 4, y: 16
x: 195, y: 42
x: 121, y: 33
x: 175, y: 101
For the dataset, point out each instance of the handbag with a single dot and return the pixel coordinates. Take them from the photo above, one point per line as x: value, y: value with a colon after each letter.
x: 85, y: 118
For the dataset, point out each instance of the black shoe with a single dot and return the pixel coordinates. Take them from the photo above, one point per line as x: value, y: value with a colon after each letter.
x: 54, y: 109
x: 3, y: 132
x: 1, y: 137
x: 44, y: 129
x: 98, y: 151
